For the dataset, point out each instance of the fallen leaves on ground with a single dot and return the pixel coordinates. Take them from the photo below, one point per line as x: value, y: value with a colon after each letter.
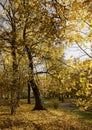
x: 26, y: 119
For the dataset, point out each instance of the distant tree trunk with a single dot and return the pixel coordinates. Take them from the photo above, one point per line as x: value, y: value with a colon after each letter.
x: 1, y: 95
x: 18, y: 95
x: 18, y: 98
x: 61, y: 97
x: 38, y: 103
x: 29, y: 101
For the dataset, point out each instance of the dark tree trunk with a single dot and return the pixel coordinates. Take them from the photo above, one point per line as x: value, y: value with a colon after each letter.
x: 62, y: 97
x: 59, y: 97
x: 14, y: 86
x: 29, y: 101
x: 38, y: 103
x: 18, y: 96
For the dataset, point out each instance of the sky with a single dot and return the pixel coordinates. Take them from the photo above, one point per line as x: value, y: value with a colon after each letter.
x: 75, y: 52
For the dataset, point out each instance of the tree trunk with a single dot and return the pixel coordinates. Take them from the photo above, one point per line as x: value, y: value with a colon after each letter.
x: 18, y: 97
x: 62, y: 97
x: 38, y: 103
x: 29, y: 101
x: 14, y: 101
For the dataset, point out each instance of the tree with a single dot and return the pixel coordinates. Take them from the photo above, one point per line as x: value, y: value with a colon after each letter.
x: 85, y: 85
x: 35, y: 46
x: 9, y: 37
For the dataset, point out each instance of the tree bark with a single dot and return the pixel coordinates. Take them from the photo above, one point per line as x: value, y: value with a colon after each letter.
x: 38, y: 102
x: 14, y: 101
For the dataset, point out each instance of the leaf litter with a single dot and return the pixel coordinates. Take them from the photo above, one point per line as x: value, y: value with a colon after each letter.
x: 26, y: 119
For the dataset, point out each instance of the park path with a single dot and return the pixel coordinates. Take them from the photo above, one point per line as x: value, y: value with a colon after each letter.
x: 68, y: 106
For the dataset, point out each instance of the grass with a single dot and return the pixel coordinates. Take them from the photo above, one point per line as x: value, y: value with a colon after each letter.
x: 84, y: 114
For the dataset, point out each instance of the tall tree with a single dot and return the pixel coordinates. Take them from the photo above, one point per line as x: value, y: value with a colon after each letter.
x: 9, y: 37
x: 38, y: 35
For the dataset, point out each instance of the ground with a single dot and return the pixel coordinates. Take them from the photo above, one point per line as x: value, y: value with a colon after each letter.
x: 51, y: 119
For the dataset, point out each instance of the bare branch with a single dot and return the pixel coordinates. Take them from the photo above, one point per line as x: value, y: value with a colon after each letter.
x: 84, y: 51
x: 88, y: 24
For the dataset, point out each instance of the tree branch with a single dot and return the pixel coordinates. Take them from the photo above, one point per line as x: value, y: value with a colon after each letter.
x: 84, y: 51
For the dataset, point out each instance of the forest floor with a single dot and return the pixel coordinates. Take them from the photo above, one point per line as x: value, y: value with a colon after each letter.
x: 51, y: 119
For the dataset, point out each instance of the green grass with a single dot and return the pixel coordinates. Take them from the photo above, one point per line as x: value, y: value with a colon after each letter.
x: 84, y: 114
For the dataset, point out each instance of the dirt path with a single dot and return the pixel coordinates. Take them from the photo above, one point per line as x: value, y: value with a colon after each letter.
x: 68, y: 106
